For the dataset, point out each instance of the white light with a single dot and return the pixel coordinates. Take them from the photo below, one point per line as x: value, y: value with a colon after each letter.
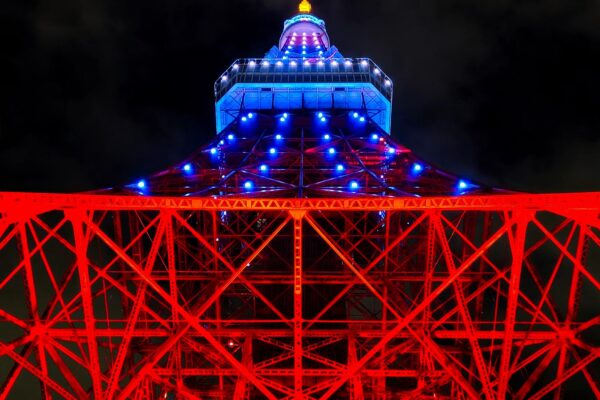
x: 289, y: 47
x: 287, y: 52
x: 339, y: 167
x: 279, y: 63
x: 141, y: 184
x: 348, y: 63
x: 334, y: 63
x: 224, y: 78
x: 374, y: 136
x: 244, y: 119
x: 252, y: 63
x: 462, y: 184
x: 327, y: 136
x: 213, y: 151
x: 417, y: 167
x: 314, y: 33
x: 364, y: 63
x: 303, y: 52
x: 272, y: 150
x: 303, y: 33
x: 392, y: 150
x: 263, y: 168
x: 376, y: 71
x: 282, y: 119
x: 285, y: 57
x: 250, y: 115
x: 247, y: 185
x: 362, y: 119
x: 285, y: 115
x: 294, y: 34
x: 353, y: 185
x: 293, y: 63
x: 388, y: 82
x: 236, y: 67
x: 320, y: 52
x: 230, y: 136
x: 318, y: 47
x: 306, y: 63
x: 331, y: 150
x: 222, y: 142
x: 265, y: 63
x: 321, y: 63
x: 187, y: 167
x: 320, y: 115
x: 355, y: 115
x: 278, y: 137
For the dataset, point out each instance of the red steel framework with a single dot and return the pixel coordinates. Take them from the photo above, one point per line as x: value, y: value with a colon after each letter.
x: 377, y: 298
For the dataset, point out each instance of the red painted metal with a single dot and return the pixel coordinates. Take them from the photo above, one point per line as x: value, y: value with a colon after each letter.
x: 374, y: 298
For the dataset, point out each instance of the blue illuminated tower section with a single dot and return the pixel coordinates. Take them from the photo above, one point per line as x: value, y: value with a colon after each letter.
x: 304, y: 72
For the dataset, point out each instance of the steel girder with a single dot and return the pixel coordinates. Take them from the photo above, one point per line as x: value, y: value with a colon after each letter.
x: 139, y: 297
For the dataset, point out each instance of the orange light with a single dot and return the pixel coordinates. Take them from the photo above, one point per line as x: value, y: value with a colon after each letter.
x: 305, y: 6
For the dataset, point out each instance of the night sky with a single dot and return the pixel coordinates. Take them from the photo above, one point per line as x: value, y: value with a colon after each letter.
x: 96, y: 93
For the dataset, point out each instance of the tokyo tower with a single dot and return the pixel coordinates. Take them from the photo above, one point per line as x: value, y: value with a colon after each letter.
x: 302, y: 254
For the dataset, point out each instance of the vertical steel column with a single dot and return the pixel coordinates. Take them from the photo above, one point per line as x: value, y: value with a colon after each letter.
x: 517, y: 246
x: 298, y: 218
x: 78, y: 218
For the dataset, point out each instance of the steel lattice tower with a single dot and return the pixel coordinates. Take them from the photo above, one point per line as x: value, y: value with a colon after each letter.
x: 302, y: 254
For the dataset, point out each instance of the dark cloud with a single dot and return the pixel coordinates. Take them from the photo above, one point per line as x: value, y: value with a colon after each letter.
x: 102, y: 92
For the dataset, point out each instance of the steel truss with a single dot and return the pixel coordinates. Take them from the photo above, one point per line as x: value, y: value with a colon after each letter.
x: 377, y: 298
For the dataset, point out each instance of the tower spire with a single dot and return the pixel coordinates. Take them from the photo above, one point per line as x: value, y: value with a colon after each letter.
x: 305, y: 7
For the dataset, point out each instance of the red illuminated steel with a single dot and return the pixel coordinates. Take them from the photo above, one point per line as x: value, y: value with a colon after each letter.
x: 125, y: 297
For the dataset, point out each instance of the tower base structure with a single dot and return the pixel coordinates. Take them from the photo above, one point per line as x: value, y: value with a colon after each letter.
x: 262, y: 298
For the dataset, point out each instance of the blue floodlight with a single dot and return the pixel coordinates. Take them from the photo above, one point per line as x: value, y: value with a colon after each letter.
x: 392, y: 150
x: 326, y: 136
x: 417, y: 168
x: 339, y: 168
x: 282, y: 119
x: 462, y: 184
x: 250, y: 115
x: 355, y: 115
x: 353, y: 185
x: 323, y: 119
x: 263, y: 168
x: 362, y: 119
x: 248, y: 185
x: 272, y: 150
x: 320, y: 115
x: 141, y: 184
x: 213, y: 151
x: 331, y: 150
x: 187, y: 167
x: 375, y: 136
x: 278, y: 137
x: 230, y: 136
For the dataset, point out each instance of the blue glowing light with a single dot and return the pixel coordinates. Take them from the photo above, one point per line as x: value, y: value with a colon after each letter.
x: 353, y: 185
x: 263, y: 168
x: 250, y: 115
x: 282, y: 119
x: 392, y: 150
x: 362, y: 119
x: 355, y: 115
x: 327, y: 136
x: 278, y: 137
x: 187, y: 167
x: 244, y: 119
x: 323, y: 119
x: 320, y: 115
x: 462, y: 184
x: 285, y: 115
x: 339, y: 168
x: 272, y: 150
x: 248, y: 185
x: 221, y: 142
x: 141, y: 184
x: 213, y: 151
x: 230, y: 136
x: 331, y: 150
x: 417, y: 167
x: 374, y: 136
